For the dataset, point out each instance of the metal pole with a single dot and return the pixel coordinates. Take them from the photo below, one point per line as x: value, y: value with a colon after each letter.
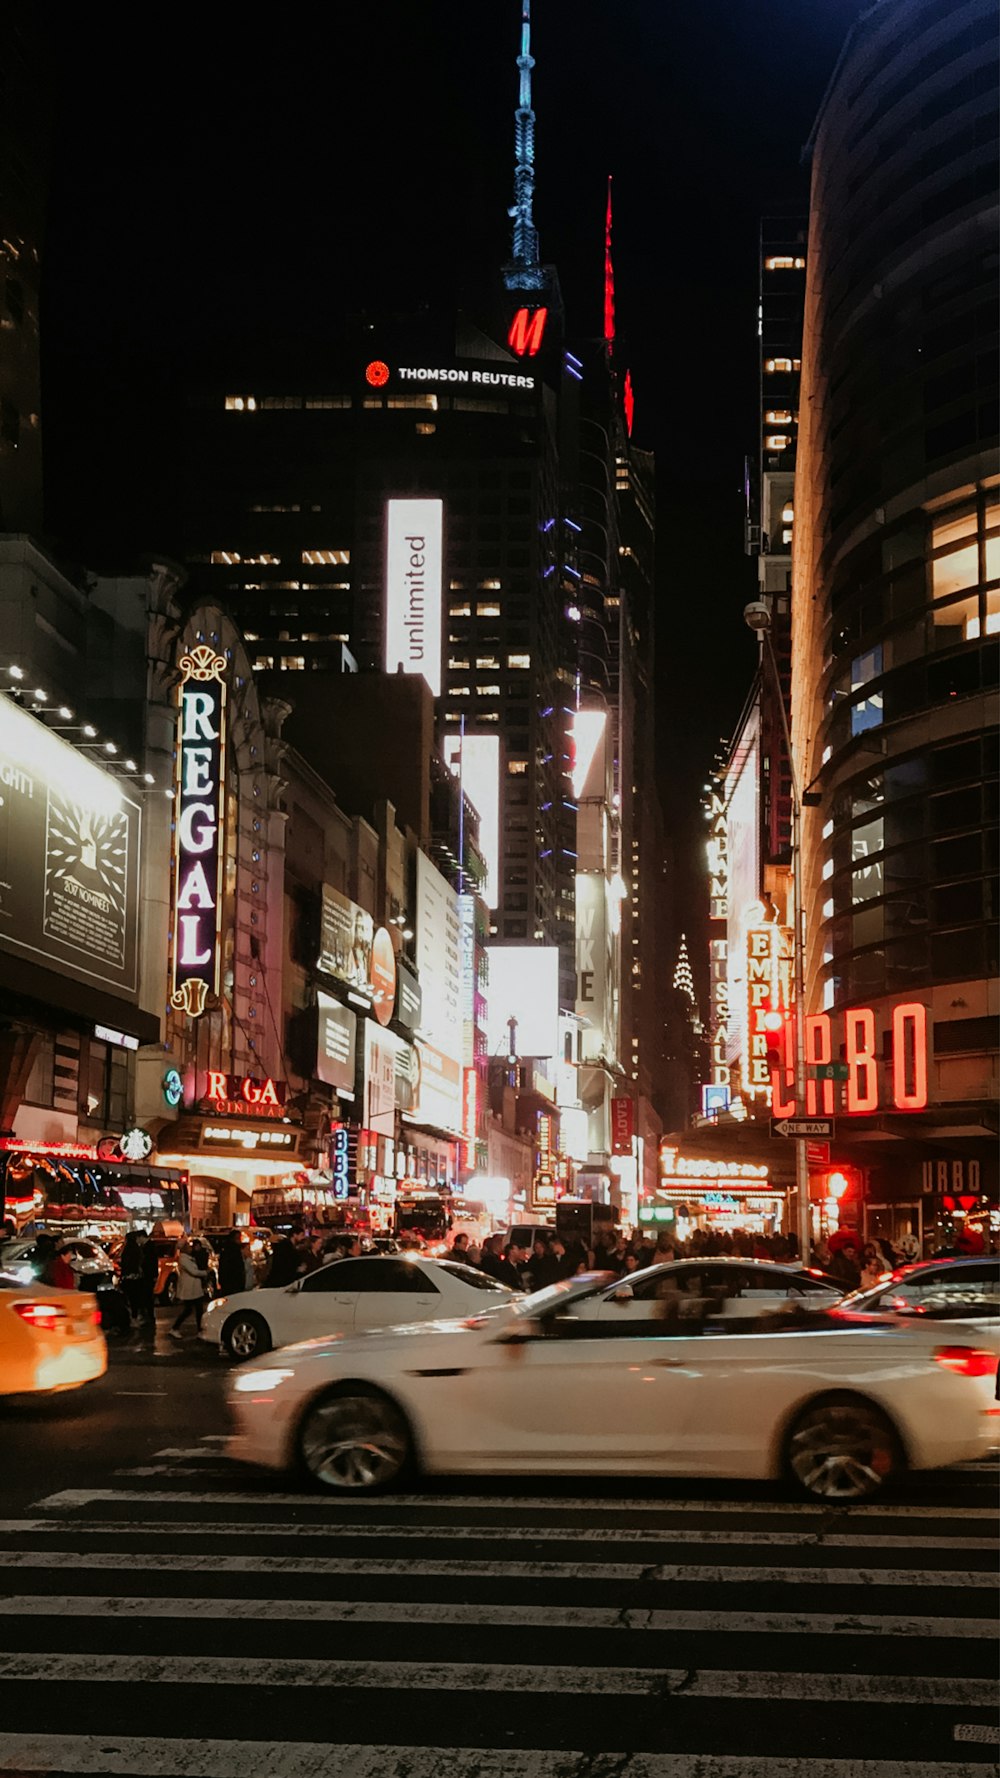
x: 798, y: 951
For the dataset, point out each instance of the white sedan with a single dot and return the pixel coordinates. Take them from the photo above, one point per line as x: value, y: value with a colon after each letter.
x: 840, y: 1404
x: 348, y: 1296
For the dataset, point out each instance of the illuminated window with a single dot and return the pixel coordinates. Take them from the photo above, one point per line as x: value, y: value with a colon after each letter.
x: 488, y: 586
x: 424, y: 428
x: 517, y: 767
x: 780, y: 364
x: 225, y: 557
x: 460, y: 611
x: 457, y: 662
x: 487, y: 691
x: 293, y: 663
x: 786, y: 535
x: 486, y: 611
x: 263, y: 660
x: 328, y: 401
x: 787, y: 513
x: 828, y: 910
x: 262, y: 561
x: 777, y: 441
x: 241, y: 404
x: 487, y: 660
x: 784, y: 262
x: 488, y: 716
x: 778, y: 416
x: 458, y: 691
x: 315, y: 558
x: 519, y: 661
x: 273, y: 401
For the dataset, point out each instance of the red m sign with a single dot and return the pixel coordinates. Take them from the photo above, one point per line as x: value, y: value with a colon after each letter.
x: 526, y: 330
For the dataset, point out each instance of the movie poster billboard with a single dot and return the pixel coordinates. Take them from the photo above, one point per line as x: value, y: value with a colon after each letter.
x: 347, y: 933
x: 69, y: 858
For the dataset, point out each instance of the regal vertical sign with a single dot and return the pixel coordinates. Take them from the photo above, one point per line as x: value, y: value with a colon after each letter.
x: 199, y: 816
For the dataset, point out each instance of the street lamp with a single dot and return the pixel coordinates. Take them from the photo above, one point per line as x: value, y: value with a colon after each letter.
x: 757, y: 615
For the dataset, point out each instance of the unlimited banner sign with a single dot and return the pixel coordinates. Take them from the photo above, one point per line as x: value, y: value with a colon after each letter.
x: 199, y: 816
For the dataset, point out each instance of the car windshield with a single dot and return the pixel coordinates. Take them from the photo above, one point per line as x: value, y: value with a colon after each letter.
x: 568, y: 1290
x: 475, y: 1280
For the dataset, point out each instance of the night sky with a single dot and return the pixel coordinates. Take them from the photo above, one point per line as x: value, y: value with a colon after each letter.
x: 216, y: 185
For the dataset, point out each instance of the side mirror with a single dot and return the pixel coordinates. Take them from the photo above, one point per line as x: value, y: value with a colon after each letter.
x: 521, y: 1334
x: 291, y: 1289
x: 624, y: 1294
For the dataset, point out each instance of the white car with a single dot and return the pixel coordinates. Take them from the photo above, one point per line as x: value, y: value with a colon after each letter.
x: 840, y: 1404
x: 348, y: 1296
x: 962, y: 1290
x: 731, y: 1287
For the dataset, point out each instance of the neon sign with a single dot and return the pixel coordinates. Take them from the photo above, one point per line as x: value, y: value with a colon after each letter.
x: 376, y: 374
x: 863, y: 1088
x: 629, y: 402
x: 231, y: 1094
x: 526, y: 331
x: 769, y: 995
x: 199, y: 820
x: 340, y: 1166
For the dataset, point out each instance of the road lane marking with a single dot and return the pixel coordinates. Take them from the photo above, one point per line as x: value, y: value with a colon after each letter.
x: 515, y: 1679
x: 140, y: 1392
x: 69, y: 1498
x: 977, y: 1731
x: 662, y: 1572
x: 179, y: 1530
x: 135, y: 1756
x: 564, y: 1617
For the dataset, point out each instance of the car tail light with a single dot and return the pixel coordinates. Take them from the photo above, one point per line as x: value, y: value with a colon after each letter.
x: 967, y: 1361
x: 45, y: 1316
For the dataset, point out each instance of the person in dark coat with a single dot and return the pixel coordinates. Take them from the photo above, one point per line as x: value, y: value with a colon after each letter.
x: 285, y: 1262
x: 512, y: 1268
x: 131, y: 1274
x: 490, y: 1260
x: 232, y: 1273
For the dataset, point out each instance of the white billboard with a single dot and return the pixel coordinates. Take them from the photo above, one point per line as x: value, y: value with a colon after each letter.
x: 413, y: 572
x: 439, y: 960
x: 475, y: 761
x: 524, y: 985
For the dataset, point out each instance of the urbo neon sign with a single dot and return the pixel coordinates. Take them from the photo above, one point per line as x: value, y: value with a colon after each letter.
x: 198, y: 815
x: 906, y: 1076
x: 527, y: 331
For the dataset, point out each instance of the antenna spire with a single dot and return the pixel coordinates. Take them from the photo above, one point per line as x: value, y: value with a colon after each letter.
x: 609, y: 279
x: 524, y: 272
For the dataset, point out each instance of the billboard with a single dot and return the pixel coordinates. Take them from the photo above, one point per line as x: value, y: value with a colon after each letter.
x: 409, y: 999
x: 383, y: 1053
x: 413, y: 569
x: 437, y: 1098
x: 347, y: 933
x: 335, y: 1044
x: 475, y: 761
x: 439, y: 960
x: 591, y: 960
x: 524, y: 985
x: 69, y: 859
x: 199, y: 815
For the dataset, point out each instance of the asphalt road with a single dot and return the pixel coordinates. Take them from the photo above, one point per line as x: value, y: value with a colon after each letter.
x: 165, y: 1612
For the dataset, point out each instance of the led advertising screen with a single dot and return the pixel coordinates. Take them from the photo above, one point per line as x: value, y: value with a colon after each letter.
x: 413, y: 572
x: 439, y: 960
x: 335, y: 1044
x: 347, y: 933
x: 475, y: 761
x: 524, y: 985
x: 69, y: 858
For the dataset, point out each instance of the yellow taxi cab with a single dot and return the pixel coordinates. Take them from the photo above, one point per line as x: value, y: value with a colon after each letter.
x: 49, y: 1339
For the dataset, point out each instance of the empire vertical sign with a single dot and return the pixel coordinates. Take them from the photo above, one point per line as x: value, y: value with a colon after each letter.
x: 769, y: 992
x: 199, y: 814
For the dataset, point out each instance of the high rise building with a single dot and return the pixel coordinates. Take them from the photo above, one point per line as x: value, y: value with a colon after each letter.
x: 896, y: 603
x: 23, y: 159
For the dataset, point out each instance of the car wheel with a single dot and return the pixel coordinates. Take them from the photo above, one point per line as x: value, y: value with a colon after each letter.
x: 355, y: 1441
x: 843, y: 1448
x: 246, y: 1336
x: 169, y: 1292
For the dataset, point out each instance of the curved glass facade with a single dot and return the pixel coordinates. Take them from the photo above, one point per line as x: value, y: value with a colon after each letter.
x: 896, y: 575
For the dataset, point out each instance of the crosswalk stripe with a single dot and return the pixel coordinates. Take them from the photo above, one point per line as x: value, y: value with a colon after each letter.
x: 561, y: 1617
x: 125, y: 1756
x: 166, y: 1530
x: 664, y: 1573
x: 513, y: 1679
x: 67, y: 1499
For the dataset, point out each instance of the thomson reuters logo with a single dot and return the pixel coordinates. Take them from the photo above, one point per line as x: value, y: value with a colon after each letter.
x: 377, y: 373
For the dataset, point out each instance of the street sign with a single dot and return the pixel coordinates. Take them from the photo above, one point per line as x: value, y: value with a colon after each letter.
x: 818, y: 1154
x: 803, y: 1126
x: 829, y: 1071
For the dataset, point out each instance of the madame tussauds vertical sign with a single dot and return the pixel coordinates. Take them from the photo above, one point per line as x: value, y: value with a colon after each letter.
x: 413, y: 589
x: 200, y: 829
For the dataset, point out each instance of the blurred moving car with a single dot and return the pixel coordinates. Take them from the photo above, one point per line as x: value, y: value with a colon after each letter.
x: 732, y: 1287
x: 93, y: 1267
x: 965, y: 1290
x: 49, y: 1339
x: 840, y: 1405
x: 347, y: 1296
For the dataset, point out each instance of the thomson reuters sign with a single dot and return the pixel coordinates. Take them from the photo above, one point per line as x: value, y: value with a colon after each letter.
x: 413, y: 589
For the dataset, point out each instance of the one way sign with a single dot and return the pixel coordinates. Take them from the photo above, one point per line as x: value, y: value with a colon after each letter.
x: 803, y: 1126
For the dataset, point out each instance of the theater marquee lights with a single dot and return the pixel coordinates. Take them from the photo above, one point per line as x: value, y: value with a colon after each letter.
x: 199, y: 823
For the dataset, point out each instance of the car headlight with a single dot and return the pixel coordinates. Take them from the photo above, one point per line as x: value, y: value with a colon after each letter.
x: 257, y: 1382
x: 218, y: 1302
